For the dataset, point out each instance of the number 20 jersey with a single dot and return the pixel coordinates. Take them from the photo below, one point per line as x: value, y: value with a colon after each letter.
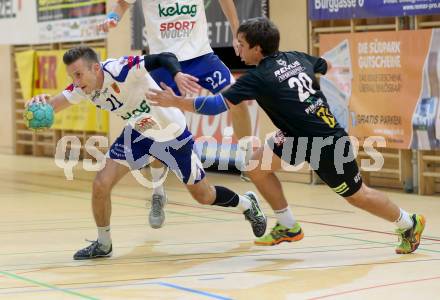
x: 285, y: 86
x: 123, y: 92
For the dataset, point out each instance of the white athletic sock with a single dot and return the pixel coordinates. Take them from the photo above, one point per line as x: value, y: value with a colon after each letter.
x: 244, y: 203
x: 404, y: 221
x: 156, y: 174
x: 104, y: 237
x: 285, y: 217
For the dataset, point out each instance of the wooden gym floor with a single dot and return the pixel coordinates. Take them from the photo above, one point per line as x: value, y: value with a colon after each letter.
x: 201, y: 252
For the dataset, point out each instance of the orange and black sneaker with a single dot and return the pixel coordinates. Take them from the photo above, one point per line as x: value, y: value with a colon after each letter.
x: 409, y: 239
x: 280, y: 234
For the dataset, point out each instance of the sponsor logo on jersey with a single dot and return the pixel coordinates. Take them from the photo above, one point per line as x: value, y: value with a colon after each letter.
x: 357, y: 178
x: 281, y: 62
x: 115, y: 87
x: 97, y: 93
x: 178, y: 29
x: 321, y: 110
x: 288, y: 70
x: 143, y: 108
x: 325, y: 115
x: 118, y: 151
x: 314, y: 105
x: 144, y: 124
x: 177, y: 9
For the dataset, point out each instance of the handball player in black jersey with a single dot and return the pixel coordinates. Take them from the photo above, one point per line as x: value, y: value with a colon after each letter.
x: 286, y: 88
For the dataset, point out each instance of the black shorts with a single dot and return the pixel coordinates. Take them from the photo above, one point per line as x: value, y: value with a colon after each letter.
x: 334, y: 163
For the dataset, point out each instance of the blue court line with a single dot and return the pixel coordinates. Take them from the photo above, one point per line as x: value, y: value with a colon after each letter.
x: 210, y: 295
x: 70, y: 290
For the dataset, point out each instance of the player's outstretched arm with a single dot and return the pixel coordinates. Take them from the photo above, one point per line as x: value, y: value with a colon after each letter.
x: 58, y: 102
x: 205, y: 105
x: 185, y: 82
x: 230, y: 12
x: 114, y: 16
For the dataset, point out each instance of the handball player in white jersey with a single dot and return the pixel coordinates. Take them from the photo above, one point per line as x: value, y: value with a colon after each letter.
x: 119, y: 86
x: 180, y: 27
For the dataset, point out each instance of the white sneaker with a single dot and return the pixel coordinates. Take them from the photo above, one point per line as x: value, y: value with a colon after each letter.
x: 157, y: 212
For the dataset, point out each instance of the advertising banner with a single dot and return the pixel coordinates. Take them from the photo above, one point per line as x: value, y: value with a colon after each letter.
x: 385, y: 84
x: 25, y: 64
x: 49, y: 21
x: 69, y: 20
x: 18, y: 22
x: 352, y: 9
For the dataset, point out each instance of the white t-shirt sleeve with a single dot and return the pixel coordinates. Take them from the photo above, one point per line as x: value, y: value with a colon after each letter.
x: 130, y: 1
x: 73, y: 95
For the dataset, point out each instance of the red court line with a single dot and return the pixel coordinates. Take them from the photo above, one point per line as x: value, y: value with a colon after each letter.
x: 302, y: 221
x: 361, y: 229
x: 269, y: 215
x: 373, y: 287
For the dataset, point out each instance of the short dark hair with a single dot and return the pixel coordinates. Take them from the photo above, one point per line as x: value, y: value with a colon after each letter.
x: 86, y: 53
x: 262, y: 32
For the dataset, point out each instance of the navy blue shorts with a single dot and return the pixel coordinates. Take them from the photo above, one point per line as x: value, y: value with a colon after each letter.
x: 135, y: 151
x: 212, y: 73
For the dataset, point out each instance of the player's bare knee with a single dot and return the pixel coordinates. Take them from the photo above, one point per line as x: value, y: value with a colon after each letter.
x: 257, y: 174
x: 101, y: 185
x: 359, y: 198
x: 354, y: 200
x: 203, y: 197
x: 254, y: 174
x: 204, y: 200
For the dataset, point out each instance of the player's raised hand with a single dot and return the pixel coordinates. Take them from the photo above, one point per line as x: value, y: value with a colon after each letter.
x: 43, y: 98
x: 107, y: 25
x: 187, y: 83
x: 164, y: 98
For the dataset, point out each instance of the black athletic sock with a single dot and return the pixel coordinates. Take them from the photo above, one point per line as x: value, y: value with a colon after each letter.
x: 225, y: 197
